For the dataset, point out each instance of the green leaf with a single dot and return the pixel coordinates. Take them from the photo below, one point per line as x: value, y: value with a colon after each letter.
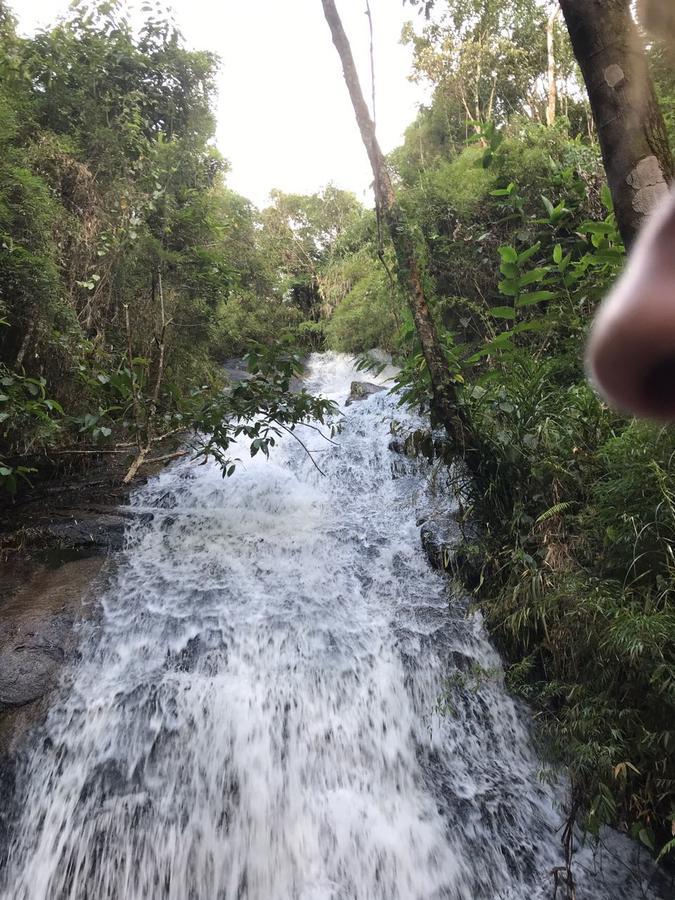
x: 535, y: 297
x: 533, y: 275
x: 557, y: 254
x: 559, y: 212
x: 529, y: 253
x: 613, y: 257
x: 646, y: 835
x: 503, y: 312
x: 606, y: 197
x: 508, y: 254
x: 603, y: 228
x: 541, y: 324
x: 509, y: 287
x: 503, y: 192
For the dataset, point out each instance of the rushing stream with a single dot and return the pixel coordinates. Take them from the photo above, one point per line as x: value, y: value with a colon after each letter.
x: 256, y: 714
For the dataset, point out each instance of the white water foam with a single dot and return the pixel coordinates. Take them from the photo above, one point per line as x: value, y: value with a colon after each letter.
x: 254, y: 717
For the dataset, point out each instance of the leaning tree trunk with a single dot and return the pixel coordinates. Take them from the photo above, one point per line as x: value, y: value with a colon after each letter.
x: 408, y: 270
x: 631, y: 131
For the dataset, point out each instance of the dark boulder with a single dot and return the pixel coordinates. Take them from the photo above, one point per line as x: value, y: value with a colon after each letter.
x: 28, y: 672
x: 440, y: 535
x: 362, y: 389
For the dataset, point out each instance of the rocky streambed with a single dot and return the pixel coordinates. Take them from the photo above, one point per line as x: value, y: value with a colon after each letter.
x: 58, y: 547
x: 258, y: 682
x: 57, y: 553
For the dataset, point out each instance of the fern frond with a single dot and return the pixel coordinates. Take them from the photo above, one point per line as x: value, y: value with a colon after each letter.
x: 556, y: 510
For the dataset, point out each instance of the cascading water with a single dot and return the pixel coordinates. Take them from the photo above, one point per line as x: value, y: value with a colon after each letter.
x: 255, y: 715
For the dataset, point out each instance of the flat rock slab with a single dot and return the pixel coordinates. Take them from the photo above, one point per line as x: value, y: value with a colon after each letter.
x: 37, y: 630
x: 98, y: 533
x: 362, y: 389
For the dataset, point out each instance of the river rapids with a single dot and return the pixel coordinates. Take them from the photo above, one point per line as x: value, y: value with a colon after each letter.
x: 280, y: 701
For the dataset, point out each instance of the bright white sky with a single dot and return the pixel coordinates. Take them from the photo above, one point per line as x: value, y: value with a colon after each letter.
x: 284, y: 116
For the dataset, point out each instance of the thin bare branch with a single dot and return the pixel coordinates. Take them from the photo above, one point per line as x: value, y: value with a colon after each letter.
x: 302, y: 444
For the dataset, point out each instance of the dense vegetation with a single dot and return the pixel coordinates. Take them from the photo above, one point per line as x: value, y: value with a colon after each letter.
x: 128, y: 268
x: 573, y: 563
x: 129, y: 272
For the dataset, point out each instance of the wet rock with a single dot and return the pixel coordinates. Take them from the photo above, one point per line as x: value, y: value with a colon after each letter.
x: 439, y: 536
x: 106, y: 779
x: 399, y: 469
x: 461, y: 661
x: 447, y: 553
x: 236, y: 369
x: 7, y: 805
x: 37, y: 636
x: 186, y: 659
x: 97, y: 533
x: 27, y: 673
x: 362, y: 389
x: 31, y: 663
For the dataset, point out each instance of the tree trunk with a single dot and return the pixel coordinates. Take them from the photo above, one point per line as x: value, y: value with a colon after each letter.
x: 631, y: 131
x: 408, y: 270
x: 550, y: 49
x: 25, y: 343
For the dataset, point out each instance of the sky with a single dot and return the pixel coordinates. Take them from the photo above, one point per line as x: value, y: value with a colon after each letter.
x: 284, y: 116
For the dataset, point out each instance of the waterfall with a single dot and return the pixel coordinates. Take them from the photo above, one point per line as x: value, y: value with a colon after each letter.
x: 281, y: 700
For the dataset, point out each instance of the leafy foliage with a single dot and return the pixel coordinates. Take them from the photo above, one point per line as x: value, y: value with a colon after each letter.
x: 574, y: 507
x: 128, y: 270
x: 262, y: 409
x: 570, y: 537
